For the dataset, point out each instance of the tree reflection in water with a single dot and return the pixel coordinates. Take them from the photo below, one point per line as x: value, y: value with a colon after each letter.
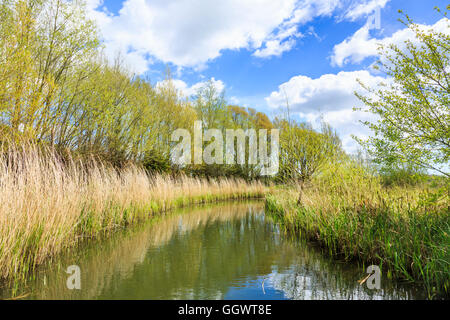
x: 212, y: 252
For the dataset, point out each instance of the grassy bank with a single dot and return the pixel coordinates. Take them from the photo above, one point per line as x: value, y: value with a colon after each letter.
x: 48, y: 206
x: 404, y: 230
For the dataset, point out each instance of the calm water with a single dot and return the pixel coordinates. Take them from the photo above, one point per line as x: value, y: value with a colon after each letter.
x: 231, y: 251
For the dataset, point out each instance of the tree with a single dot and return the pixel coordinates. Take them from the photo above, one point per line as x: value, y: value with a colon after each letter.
x: 58, y: 89
x: 413, y: 107
x: 304, y: 151
x: 45, y: 49
x: 211, y: 106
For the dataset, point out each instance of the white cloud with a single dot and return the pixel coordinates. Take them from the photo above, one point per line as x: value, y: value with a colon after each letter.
x: 331, y: 97
x: 360, y: 45
x: 274, y: 48
x: 284, y: 37
x: 192, y: 90
x: 329, y: 92
x: 190, y: 33
x: 363, y: 9
x: 307, y: 10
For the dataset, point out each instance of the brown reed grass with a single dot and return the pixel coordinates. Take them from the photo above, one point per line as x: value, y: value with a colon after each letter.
x: 47, y: 205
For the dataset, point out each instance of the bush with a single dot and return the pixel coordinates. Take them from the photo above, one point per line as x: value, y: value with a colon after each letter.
x: 155, y: 162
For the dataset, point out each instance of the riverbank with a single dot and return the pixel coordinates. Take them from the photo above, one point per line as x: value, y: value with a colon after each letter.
x: 49, y: 205
x: 190, y: 253
x: 403, y: 230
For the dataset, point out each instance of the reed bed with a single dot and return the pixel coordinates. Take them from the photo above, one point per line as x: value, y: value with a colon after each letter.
x: 124, y: 251
x: 48, y: 205
x: 404, y: 230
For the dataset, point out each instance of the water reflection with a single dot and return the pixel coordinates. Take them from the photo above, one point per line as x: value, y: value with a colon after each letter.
x: 230, y: 251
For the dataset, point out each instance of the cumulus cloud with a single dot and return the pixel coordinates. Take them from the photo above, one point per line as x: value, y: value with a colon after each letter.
x: 361, y: 45
x: 190, y: 33
x: 329, y: 97
x: 327, y: 93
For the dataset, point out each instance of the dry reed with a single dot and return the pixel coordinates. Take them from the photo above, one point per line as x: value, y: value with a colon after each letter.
x: 48, y: 205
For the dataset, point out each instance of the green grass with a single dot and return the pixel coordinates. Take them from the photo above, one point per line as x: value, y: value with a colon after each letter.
x: 411, y: 244
x: 403, y: 229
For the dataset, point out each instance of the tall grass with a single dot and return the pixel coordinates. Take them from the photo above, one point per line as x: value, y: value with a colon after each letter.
x: 48, y: 205
x: 404, y: 230
x: 124, y: 251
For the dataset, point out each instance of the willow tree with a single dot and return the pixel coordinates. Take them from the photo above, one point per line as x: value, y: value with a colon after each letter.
x: 19, y: 97
x: 211, y: 106
x: 46, y: 48
x: 305, y: 151
x: 247, y: 119
x: 413, y: 108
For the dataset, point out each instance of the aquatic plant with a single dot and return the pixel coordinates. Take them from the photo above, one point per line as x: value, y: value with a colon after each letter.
x: 48, y: 204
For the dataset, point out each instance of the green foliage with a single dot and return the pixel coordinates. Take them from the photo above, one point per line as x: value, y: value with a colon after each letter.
x: 413, y: 106
x: 57, y: 88
x: 305, y: 151
x: 155, y: 162
x: 346, y: 209
x: 212, y: 109
x: 211, y: 106
x: 402, y: 175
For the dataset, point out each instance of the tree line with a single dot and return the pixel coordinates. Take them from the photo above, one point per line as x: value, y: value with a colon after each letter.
x: 58, y: 89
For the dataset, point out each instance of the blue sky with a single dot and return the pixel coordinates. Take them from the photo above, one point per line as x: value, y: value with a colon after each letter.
x: 262, y: 52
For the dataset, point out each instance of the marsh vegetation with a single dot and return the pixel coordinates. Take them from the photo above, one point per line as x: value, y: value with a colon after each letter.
x: 85, y: 149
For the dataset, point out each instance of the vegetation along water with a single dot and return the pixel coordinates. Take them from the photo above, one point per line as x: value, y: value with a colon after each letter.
x: 87, y: 174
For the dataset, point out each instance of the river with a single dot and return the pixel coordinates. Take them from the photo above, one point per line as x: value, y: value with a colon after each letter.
x: 225, y: 251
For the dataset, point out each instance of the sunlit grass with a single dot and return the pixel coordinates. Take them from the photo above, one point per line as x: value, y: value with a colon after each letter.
x: 47, y: 206
x: 404, y: 230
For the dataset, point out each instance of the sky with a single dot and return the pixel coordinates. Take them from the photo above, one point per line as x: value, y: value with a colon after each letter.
x: 265, y: 54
